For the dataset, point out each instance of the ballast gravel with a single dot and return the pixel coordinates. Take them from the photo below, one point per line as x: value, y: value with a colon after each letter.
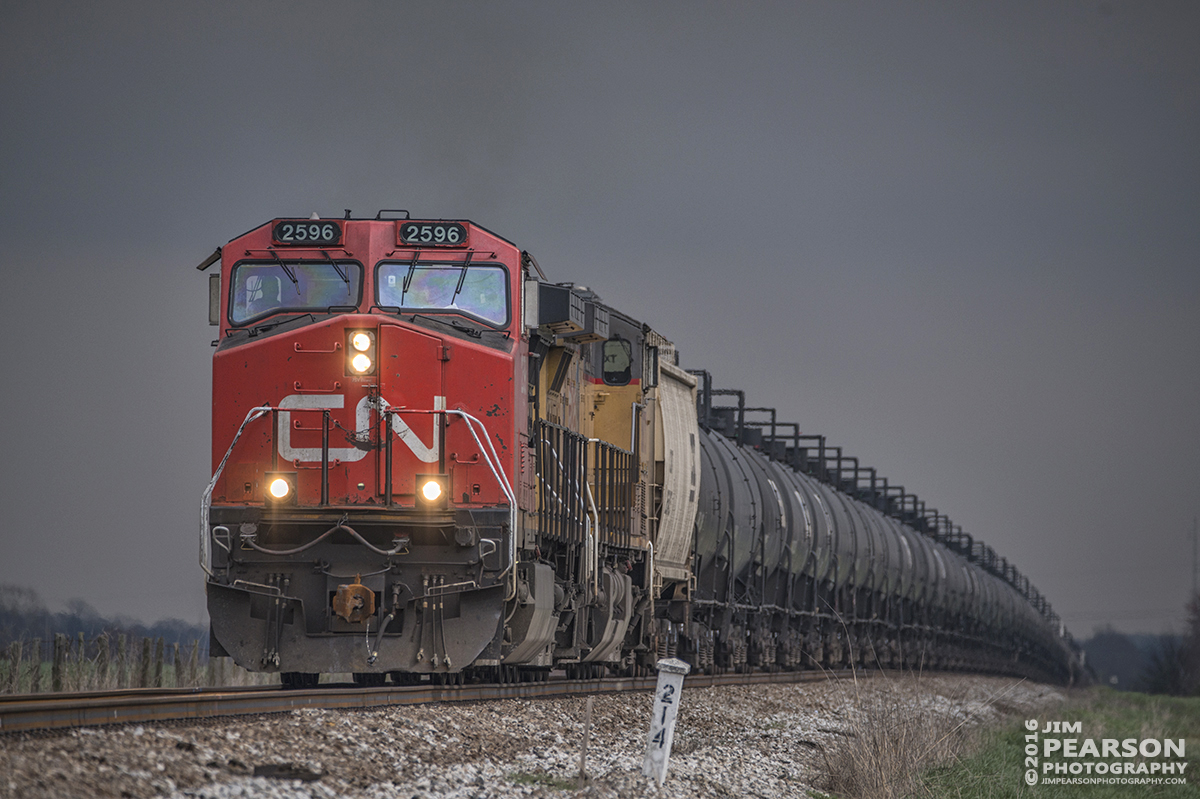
x: 759, y: 741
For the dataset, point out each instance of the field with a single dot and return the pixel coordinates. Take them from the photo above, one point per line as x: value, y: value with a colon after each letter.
x: 996, y: 767
x: 65, y: 663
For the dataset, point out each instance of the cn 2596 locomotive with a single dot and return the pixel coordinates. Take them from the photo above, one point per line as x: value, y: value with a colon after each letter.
x: 430, y: 460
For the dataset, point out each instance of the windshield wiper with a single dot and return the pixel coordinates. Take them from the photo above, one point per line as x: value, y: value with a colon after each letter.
x: 462, y: 276
x: 412, y: 268
x: 338, y: 269
x: 470, y: 331
x: 291, y: 275
x: 274, y: 323
x: 457, y: 325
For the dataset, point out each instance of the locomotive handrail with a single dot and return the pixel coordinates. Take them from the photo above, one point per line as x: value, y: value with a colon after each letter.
x: 508, y: 492
x: 591, y: 520
x: 612, y: 471
x: 206, y: 500
x: 593, y: 538
x: 493, y: 462
x: 566, y: 513
x: 563, y: 471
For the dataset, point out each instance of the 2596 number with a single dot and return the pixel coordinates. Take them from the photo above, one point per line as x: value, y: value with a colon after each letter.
x: 305, y: 232
x: 433, y: 233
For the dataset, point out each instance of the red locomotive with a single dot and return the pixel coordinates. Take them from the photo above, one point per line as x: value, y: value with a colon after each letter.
x: 428, y: 460
x: 366, y: 384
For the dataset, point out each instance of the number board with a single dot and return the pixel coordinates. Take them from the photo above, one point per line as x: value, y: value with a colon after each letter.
x: 433, y: 234
x: 309, y: 232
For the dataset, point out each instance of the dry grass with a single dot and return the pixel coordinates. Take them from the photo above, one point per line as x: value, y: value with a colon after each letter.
x: 889, y: 745
x: 895, y: 735
x: 102, y: 664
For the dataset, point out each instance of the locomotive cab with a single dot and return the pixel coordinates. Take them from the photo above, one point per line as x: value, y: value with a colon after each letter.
x: 361, y: 514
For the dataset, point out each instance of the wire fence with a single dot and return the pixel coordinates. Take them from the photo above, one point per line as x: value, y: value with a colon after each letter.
x: 109, y: 662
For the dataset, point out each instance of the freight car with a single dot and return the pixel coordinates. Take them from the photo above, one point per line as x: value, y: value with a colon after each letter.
x: 430, y: 462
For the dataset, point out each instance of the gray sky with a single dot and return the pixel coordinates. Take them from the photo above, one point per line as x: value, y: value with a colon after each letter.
x: 959, y: 239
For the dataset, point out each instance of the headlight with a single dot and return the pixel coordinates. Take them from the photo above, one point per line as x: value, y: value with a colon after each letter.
x: 281, y: 488
x: 432, y: 490
x: 360, y: 347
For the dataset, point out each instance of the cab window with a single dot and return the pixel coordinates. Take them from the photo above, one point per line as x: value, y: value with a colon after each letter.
x: 479, y: 291
x: 618, y: 362
x: 265, y: 288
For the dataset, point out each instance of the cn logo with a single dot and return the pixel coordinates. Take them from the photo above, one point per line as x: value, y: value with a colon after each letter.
x: 362, y: 421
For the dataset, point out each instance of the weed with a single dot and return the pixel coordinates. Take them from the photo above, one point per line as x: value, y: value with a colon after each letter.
x: 889, y: 745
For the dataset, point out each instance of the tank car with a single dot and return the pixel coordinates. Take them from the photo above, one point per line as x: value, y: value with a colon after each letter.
x: 431, y: 462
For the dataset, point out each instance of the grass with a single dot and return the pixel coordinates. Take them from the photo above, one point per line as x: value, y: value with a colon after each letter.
x: 86, y: 668
x: 888, y: 744
x: 996, y: 768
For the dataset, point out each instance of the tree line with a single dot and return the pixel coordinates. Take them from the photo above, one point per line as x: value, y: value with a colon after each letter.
x: 1174, y: 666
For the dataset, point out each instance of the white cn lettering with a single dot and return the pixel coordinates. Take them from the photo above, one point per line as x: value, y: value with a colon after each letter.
x: 404, y: 433
x: 362, y: 422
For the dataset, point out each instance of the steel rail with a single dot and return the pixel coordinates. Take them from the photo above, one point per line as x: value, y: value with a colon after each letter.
x: 31, y: 712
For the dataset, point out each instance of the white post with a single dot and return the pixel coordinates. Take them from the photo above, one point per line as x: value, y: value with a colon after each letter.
x: 662, y: 723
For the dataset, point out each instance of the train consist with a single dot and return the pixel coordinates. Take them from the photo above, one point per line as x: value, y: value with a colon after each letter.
x: 430, y: 460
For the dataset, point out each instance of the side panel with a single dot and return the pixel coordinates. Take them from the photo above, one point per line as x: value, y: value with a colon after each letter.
x: 828, y: 547
x: 744, y: 514
x: 713, y: 522
x: 799, y: 530
x: 850, y: 540
x: 770, y: 561
x: 680, y: 488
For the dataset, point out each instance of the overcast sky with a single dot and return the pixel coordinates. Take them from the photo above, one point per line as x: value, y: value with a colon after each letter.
x: 959, y: 239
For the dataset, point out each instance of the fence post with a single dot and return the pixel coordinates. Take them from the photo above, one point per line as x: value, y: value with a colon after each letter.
x: 56, y: 666
x: 194, y: 663
x: 80, y: 681
x: 35, y: 679
x: 102, y: 661
x: 144, y: 670
x: 158, y: 664
x: 14, y: 676
x: 122, y: 661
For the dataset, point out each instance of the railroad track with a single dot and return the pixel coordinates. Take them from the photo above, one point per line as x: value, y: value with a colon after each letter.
x: 30, y: 712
